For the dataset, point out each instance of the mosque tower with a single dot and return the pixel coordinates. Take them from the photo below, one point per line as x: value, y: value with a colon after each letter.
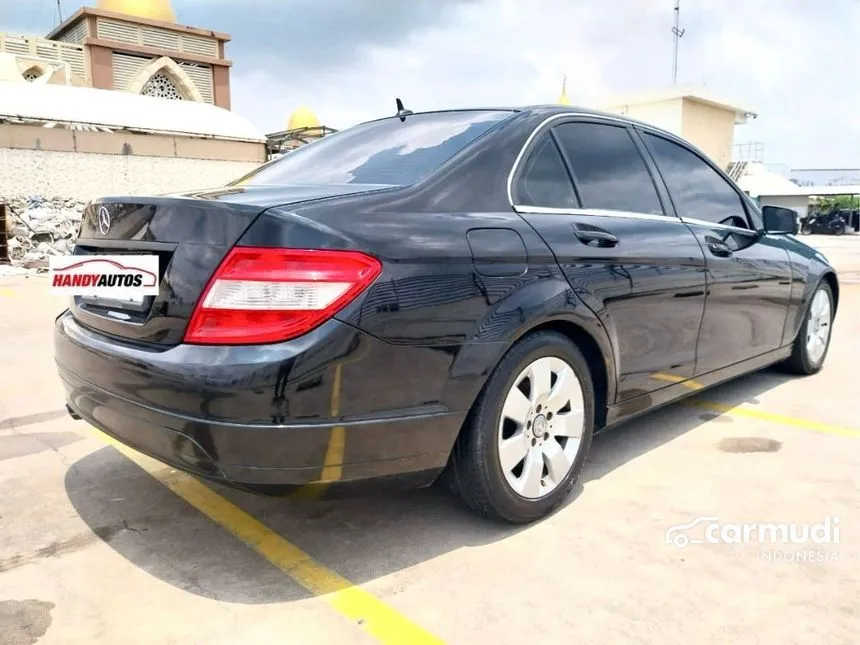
x: 128, y: 46
x: 563, y: 100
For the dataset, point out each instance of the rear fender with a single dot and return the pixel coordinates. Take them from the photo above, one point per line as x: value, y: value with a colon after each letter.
x: 545, y: 303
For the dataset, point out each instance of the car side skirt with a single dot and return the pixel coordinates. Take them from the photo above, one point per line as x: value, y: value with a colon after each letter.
x: 632, y: 408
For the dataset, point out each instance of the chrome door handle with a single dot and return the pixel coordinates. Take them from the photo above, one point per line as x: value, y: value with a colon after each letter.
x: 596, y: 238
x: 720, y: 249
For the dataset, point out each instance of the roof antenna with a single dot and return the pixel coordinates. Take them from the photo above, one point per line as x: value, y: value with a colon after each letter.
x: 402, y: 112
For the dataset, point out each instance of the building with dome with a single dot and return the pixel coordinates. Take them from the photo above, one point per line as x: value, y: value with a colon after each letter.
x: 128, y: 45
x: 120, y: 99
x: 302, y: 127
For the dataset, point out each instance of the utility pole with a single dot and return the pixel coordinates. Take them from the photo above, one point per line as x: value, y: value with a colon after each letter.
x: 677, y: 33
x: 60, y: 10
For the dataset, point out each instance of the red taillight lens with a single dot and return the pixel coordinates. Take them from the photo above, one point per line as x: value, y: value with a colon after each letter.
x: 260, y: 295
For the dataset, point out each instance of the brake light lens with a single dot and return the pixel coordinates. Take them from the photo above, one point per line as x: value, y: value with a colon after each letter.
x: 261, y: 295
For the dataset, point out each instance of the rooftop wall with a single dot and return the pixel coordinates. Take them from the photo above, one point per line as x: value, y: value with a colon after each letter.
x: 709, y: 128
x: 82, y: 165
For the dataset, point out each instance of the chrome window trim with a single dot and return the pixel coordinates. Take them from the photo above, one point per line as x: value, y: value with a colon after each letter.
x: 539, y: 130
x: 745, y: 199
x: 647, y: 127
x: 594, y: 212
x: 724, y: 227
x: 599, y: 212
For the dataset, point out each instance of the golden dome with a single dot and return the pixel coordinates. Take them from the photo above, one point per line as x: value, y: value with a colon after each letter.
x: 152, y: 9
x: 563, y: 100
x: 302, y: 118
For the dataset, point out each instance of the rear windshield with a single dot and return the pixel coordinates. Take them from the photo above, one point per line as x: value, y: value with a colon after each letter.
x: 388, y: 152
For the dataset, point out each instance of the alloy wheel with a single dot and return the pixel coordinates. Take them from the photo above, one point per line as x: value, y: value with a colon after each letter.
x: 541, y: 425
x: 818, y: 326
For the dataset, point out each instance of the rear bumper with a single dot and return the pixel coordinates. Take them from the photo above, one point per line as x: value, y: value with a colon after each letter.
x: 114, y: 387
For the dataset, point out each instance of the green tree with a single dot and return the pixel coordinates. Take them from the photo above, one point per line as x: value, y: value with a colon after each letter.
x: 838, y: 201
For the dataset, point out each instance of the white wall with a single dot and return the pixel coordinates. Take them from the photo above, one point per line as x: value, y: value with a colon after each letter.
x: 85, y: 176
x: 799, y: 204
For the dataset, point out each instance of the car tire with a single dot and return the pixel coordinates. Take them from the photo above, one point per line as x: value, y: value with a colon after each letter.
x: 476, y: 472
x: 807, y: 355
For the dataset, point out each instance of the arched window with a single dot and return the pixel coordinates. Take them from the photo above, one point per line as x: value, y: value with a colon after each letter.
x: 163, y: 78
x: 162, y: 86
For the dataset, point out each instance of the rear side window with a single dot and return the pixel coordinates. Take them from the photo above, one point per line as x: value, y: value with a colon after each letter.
x: 607, y: 168
x: 544, y: 180
x: 697, y: 190
x: 387, y: 152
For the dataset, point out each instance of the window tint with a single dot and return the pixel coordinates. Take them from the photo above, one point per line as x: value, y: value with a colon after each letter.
x: 544, y: 180
x: 697, y: 190
x: 388, y: 152
x: 607, y: 168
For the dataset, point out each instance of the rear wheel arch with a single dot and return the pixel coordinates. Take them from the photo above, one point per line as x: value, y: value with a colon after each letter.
x: 474, y: 472
x: 597, y: 362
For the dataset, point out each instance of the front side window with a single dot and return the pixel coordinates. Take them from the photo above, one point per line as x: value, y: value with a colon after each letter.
x: 388, y: 152
x: 697, y: 190
x: 544, y: 180
x: 608, y: 170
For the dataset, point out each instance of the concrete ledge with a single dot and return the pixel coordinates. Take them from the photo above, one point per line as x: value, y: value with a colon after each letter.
x: 32, y: 137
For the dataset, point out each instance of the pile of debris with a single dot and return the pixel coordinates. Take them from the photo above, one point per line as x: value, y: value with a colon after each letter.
x: 38, y: 228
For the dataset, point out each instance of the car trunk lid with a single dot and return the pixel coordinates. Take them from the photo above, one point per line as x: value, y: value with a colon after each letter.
x: 190, y: 234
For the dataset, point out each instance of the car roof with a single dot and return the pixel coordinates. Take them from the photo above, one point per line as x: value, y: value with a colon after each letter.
x: 541, y: 110
x: 548, y: 110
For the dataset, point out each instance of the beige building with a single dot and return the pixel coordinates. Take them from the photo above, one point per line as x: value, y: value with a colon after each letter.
x: 119, y: 99
x: 127, y: 45
x: 706, y: 121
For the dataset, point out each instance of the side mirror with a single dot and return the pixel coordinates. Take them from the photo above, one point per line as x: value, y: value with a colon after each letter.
x: 779, y: 221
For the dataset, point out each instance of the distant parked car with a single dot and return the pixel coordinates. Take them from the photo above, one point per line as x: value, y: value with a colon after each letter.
x: 470, y: 293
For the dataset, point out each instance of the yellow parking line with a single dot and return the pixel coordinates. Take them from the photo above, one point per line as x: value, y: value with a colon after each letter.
x: 333, y: 462
x: 782, y: 419
x: 723, y: 408
x: 381, y: 621
x: 671, y: 378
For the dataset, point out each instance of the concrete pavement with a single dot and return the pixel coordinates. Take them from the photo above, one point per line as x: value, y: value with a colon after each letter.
x: 97, y: 547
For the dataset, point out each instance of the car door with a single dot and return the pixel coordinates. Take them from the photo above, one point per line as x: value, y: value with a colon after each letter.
x: 586, y: 188
x: 748, y: 272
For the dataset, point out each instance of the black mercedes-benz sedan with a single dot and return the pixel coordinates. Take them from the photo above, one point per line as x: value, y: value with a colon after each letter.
x: 469, y: 294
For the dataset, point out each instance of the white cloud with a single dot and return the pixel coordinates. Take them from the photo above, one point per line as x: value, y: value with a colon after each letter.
x: 794, y: 62
x: 495, y: 52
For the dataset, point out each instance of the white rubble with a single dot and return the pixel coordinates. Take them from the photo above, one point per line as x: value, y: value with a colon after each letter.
x: 38, y: 228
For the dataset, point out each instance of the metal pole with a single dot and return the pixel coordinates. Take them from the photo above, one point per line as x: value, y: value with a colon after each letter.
x: 60, y: 10
x: 676, y: 34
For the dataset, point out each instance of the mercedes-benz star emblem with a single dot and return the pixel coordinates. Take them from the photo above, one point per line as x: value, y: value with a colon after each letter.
x: 104, y: 220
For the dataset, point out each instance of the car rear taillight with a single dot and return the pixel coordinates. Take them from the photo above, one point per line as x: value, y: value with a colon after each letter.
x: 262, y: 295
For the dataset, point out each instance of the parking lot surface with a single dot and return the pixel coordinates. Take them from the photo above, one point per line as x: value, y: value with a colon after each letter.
x: 99, y: 544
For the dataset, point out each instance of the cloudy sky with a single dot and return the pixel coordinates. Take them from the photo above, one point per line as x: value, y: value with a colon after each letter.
x: 794, y: 62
